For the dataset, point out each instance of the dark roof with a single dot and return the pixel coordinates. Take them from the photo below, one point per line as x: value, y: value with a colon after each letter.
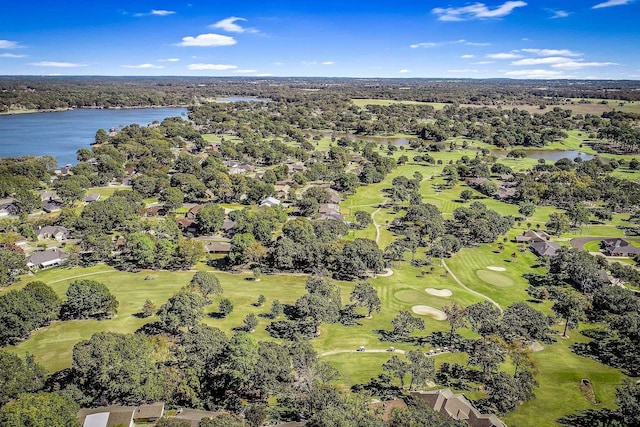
x: 44, y: 257
x: 542, y: 248
x: 620, y: 246
x: 150, y: 411
x: 217, y: 247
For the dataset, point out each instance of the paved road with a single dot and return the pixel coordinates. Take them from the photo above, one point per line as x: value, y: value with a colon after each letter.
x: 579, y: 242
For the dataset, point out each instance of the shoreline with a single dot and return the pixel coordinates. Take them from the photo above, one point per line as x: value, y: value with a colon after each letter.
x: 58, y: 110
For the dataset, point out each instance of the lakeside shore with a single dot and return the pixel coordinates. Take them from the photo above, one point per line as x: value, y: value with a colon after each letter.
x: 57, y: 110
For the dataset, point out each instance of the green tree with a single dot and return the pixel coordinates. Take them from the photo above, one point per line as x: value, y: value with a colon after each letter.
x: 526, y: 209
x: 71, y: 189
x: 421, y: 367
x: 569, y: 306
x: 172, y: 198
x: 365, y: 295
x: 40, y: 410
x: 148, y: 309
x: 222, y: 420
x: 183, y: 310
x: 276, y: 309
x: 172, y: 422
x: 363, y: 218
x: 397, y: 368
x: 225, y: 307
x: 466, y: 194
x: 19, y: 376
x: 261, y: 300
x: 210, y: 218
x: 628, y: 400
x: 12, y: 264
x: 250, y: 322
x: 558, y: 223
x: 118, y: 368
x: 404, y: 324
x: 456, y: 318
x: 578, y: 214
x: 88, y: 298
x: 206, y: 283
x: 188, y: 252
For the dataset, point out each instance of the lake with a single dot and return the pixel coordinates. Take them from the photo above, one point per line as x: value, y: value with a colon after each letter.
x: 549, y: 155
x: 62, y: 133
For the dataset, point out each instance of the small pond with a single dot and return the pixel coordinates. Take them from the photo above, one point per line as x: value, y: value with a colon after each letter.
x: 549, y: 155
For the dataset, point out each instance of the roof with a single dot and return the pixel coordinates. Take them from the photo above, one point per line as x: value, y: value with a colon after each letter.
x: 458, y: 407
x: 51, y: 206
x: 194, y: 211
x: 46, y: 258
x: 107, y: 416
x: 270, y: 201
x: 619, y: 245
x: 542, y: 248
x: 228, y: 224
x: 329, y: 208
x: 150, y: 411
x: 217, y: 247
x: 52, y: 230
x: 531, y: 235
x: 93, y: 197
x: 194, y: 416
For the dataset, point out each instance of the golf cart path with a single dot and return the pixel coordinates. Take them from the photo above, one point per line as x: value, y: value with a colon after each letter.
x: 444, y: 264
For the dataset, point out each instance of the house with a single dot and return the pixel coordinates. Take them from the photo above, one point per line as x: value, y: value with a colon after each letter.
x: 194, y: 416
x: 458, y: 407
x: 108, y: 416
x: 619, y: 247
x: 149, y: 413
x: 154, y: 211
x: 228, y: 227
x: 51, y: 206
x: 49, y: 196
x: 270, y: 201
x: 532, y: 236
x: 542, y: 248
x: 328, y: 208
x: 217, y: 247
x: 296, y: 167
x: 93, y: 197
x: 282, y: 191
x: 332, y: 215
x: 187, y: 225
x: 45, y: 259
x: 334, y: 196
x: 193, y: 212
x: 57, y: 232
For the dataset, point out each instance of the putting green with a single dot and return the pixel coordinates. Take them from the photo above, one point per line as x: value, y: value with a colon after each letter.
x: 494, y: 278
x: 411, y: 296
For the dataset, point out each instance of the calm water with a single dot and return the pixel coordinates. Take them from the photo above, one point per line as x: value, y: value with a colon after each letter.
x: 550, y: 155
x: 62, y: 133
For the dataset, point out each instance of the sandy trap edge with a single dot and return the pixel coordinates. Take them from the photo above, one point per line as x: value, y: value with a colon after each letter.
x: 426, y: 310
x: 385, y: 273
x: 494, y: 268
x: 439, y: 292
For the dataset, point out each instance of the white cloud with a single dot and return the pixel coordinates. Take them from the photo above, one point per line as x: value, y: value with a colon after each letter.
x: 426, y: 44
x: 215, y: 67
x: 309, y: 62
x: 155, y: 12
x: 229, y: 25
x: 169, y: 60
x: 467, y: 56
x: 539, y: 61
x: 143, y: 66
x: 246, y: 71
x: 57, y: 64
x: 503, y: 55
x: 404, y: 71
x: 477, y: 44
x: 581, y: 64
x: 483, y: 62
x: 207, y: 40
x: 8, y: 44
x: 328, y: 63
x: 535, y: 74
x: 476, y: 11
x: 551, y: 52
x: 556, y: 14
x: 11, y: 55
x: 610, y: 3
x: 278, y: 64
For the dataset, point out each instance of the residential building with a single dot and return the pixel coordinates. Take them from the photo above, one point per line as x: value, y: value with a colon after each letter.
x: 619, y: 247
x: 47, y: 258
x: 458, y: 407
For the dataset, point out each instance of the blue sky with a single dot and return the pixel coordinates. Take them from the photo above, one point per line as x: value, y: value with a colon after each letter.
x: 581, y: 39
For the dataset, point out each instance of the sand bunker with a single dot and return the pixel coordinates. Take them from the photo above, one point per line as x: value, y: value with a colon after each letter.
x: 385, y: 273
x: 493, y: 268
x: 536, y: 346
x: 426, y: 310
x: 439, y: 292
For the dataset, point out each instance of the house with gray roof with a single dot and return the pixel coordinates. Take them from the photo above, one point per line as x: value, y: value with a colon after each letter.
x: 543, y: 248
x: 56, y: 232
x: 458, y: 407
x: 45, y: 259
x: 619, y: 247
